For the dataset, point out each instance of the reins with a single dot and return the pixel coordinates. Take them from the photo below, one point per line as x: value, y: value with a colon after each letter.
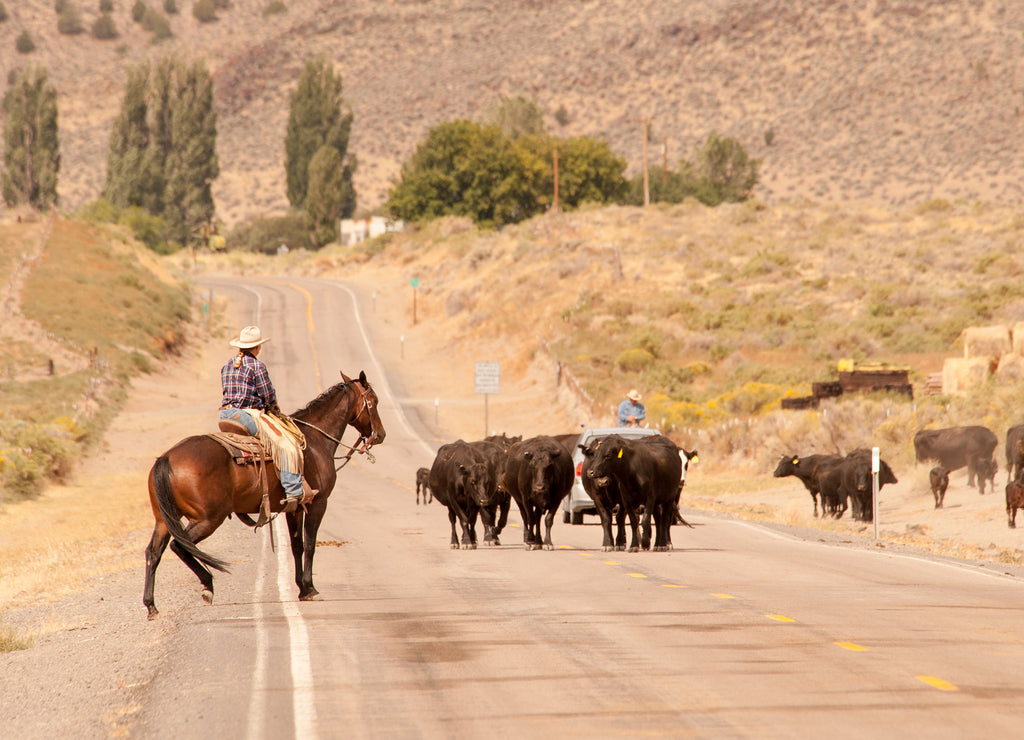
x: 361, y: 446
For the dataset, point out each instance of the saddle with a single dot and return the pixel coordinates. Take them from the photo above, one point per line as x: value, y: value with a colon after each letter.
x: 246, y: 449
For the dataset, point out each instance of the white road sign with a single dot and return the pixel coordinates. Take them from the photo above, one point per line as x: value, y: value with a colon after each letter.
x: 487, y: 378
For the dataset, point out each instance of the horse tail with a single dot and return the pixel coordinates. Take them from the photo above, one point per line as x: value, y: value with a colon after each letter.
x: 172, y: 517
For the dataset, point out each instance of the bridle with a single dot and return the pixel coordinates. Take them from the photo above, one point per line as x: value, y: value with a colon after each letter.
x: 362, y: 445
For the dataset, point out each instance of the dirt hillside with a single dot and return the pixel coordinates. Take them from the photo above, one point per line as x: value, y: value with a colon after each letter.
x: 891, y: 100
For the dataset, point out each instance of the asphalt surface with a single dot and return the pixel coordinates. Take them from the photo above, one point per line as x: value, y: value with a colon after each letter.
x: 742, y: 630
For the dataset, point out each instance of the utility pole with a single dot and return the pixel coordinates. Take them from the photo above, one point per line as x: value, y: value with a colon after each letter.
x: 555, y: 205
x: 664, y: 165
x: 647, y: 189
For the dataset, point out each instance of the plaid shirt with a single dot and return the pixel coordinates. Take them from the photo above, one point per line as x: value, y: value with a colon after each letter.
x: 247, y: 386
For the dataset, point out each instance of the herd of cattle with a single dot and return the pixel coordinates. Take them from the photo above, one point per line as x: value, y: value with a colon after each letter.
x: 837, y: 479
x: 634, y: 479
x: 640, y: 480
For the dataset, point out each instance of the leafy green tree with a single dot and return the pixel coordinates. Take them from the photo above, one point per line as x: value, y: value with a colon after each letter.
x: 316, y: 118
x: 163, y: 146
x: 329, y: 197
x: 517, y: 116
x: 721, y: 172
x: 170, y: 7
x: 139, y: 11
x: 268, y: 234
x: 31, y: 141
x: 133, y: 176
x: 464, y: 168
x: 106, y: 6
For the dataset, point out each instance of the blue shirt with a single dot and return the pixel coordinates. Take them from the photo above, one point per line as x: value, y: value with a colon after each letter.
x: 247, y: 386
x: 627, y: 409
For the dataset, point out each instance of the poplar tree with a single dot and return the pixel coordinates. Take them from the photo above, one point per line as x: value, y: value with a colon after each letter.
x: 163, y: 146
x: 31, y: 144
x: 316, y: 119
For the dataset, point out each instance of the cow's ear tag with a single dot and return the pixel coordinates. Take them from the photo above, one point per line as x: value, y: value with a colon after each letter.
x: 695, y: 459
x: 796, y: 460
x: 620, y: 454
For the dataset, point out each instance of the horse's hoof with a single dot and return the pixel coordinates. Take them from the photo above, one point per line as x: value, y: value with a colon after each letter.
x: 607, y: 548
x: 455, y: 545
x: 535, y: 546
x: 634, y: 549
x: 207, y: 596
x: 315, y: 596
x: 549, y: 547
x: 153, y: 613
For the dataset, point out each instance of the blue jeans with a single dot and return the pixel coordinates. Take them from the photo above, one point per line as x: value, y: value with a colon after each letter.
x: 290, y: 482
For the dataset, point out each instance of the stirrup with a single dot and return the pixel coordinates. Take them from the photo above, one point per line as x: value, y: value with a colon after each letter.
x: 308, y: 494
x: 290, y: 504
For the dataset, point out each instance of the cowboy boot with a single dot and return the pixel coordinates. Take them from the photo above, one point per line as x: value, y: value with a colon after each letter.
x: 308, y: 494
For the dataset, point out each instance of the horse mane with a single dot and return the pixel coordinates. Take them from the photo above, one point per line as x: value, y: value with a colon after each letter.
x: 321, y: 401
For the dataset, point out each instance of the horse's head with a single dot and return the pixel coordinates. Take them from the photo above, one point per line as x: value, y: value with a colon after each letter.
x: 366, y: 420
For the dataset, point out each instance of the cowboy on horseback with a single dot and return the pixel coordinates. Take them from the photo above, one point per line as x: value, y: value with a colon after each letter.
x: 250, y: 400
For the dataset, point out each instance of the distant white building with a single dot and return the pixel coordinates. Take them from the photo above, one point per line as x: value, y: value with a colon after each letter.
x: 355, y: 230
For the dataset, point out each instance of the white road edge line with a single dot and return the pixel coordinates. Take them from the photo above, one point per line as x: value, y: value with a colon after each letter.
x: 254, y: 716
x: 303, y: 705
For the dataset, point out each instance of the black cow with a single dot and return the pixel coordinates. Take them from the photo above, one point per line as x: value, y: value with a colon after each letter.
x: 458, y: 479
x: 955, y: 447
x: 1014, y: 501
x: 806, y: 469
x: 538, y: 475
x: 423, y: 484
x: 938, y: 479
x: 495, y: 506
x: 1014, y: 452
x: 606, y: 498
x: 850, y: 479
x: 987, y: 470
x: 568, y: 441
x: 647, y: 472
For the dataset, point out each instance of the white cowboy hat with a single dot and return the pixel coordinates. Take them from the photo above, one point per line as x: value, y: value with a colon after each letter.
x: 634, y: 395
x: 248, y: 338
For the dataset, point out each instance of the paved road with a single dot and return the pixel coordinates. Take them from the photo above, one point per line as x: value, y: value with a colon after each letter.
x: 739, y: 632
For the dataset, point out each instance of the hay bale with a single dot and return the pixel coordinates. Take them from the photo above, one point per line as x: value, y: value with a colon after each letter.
x: 961, y: 375
x: 986, y: 341
x: 1011, y: 368
x: 1018, y: 338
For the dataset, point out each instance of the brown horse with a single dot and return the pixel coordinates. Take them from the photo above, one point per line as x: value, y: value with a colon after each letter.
x: 198, y: 480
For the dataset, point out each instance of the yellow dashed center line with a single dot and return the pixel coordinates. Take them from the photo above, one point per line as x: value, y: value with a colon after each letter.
x: 852, y: 646
x: 312, y: 330
x: 610, y: 562
x: 780, y: 618
x: 937, y: 683
x: 671, y: 585
x: 565, y: 547
x: 587, y: 554
x: 724, y: 596
x: 637, y: 575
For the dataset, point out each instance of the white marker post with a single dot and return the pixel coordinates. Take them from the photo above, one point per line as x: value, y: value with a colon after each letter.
x: 874, y: 489
x: 487, y: 380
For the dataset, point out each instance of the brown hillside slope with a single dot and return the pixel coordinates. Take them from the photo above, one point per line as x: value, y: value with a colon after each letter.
x: 891, y: 100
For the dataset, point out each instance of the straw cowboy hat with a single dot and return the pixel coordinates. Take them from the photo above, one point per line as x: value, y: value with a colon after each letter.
x: 248, y: 338
x: 634, y: 395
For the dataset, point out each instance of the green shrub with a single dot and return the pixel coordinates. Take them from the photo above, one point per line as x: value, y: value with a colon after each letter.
x: 205, y: 11
x: 170, y: 7
x: 139, y: 11
x: 634, y: 360
x: 25, y: 44
x: 3, y: 13
x: 60, y: 6
x: 157, y: 24
x: 274, y: 7
x: 103, y: 28
x: 268, y: 234
x: 106, y: 6
x: 70, y: 21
